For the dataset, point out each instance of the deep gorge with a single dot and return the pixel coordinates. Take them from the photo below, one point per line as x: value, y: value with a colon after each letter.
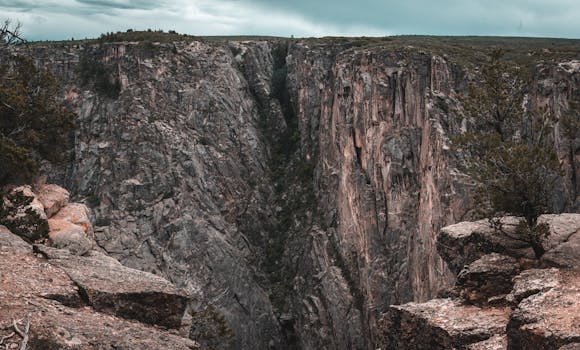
x: 295, y: 185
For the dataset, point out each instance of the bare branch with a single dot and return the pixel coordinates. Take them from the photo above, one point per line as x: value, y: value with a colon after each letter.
x: 6, y: 337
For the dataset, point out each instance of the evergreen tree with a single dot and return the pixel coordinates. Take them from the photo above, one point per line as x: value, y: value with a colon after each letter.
x: 508, y: 153
x: 34, y: 123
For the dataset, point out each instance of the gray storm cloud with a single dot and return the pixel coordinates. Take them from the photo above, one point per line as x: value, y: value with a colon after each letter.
x: 52, y: 19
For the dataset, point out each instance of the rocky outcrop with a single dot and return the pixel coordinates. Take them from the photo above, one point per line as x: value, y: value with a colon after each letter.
x: 298, y: 213
x: 441, y: 324
x: 549, y: 319
x: 24, y: 213
x: 62, y: 299
x: 109, y: 287
x: 544, y: 302
x: 46, y: 213
x: 488, y: 277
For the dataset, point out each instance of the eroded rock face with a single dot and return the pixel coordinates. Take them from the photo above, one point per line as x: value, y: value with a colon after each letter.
x: 487, y: 277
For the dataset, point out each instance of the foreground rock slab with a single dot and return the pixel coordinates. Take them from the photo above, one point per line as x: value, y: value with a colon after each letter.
x: 441, y: 324
x: 62, y: 328
x: 61, y: 316
x: 547, y: 320
x: 113, y: 288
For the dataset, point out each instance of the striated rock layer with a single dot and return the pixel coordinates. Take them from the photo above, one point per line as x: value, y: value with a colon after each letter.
x: 298, y: 207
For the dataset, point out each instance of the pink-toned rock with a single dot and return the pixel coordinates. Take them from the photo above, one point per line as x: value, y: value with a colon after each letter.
x: 53, y: 198
x: 497, y: 342
x: 548, y: 320
x: 563, y: 244
x: 440, y: 324
x: 65, y: 234
x: 77, y: 214
x: 61, y: 319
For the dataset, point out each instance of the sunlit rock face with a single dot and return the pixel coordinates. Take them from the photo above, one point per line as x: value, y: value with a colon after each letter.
x: 195, y: 170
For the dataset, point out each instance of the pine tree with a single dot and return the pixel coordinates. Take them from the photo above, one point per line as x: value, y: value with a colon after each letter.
x: 508, y: 154
x: 34, y: 123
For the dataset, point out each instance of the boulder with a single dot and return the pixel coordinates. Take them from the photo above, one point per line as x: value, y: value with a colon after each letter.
x: 112, y: 288
x: 463, y: 243
x: 440, y: 324
x: 547, y: 320
x: 64, y: 234
x: 489, y: 276
x: 77, y: 214
x: 53, y: 198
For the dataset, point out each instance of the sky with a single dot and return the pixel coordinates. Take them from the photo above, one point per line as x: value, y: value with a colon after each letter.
x: 65, y: 19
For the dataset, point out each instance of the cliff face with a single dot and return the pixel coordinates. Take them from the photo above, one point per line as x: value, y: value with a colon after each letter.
x: 299, y: 214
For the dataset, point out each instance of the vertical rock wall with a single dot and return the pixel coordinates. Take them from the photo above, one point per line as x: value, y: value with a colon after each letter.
x: 300, y: 220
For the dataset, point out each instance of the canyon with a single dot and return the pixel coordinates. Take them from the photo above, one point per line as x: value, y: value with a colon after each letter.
x: 296, y: 187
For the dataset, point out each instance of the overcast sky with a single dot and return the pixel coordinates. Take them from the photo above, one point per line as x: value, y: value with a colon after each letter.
x: 63, y: 19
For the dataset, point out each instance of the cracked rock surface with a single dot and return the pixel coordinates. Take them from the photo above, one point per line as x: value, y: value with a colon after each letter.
x: 46, y: 292
x: 539, y: 306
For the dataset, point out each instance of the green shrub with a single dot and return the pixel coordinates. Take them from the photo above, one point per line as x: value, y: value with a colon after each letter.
x: 508, y: 153
x: 94, y: 73
x: 34, y: 123
x: 29, y: 224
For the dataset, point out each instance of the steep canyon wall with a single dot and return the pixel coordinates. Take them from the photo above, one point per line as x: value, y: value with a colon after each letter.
x: 298, y: 215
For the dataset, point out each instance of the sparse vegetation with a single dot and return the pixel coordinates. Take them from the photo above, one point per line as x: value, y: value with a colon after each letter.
x: 27, y: 224
x: 94, y: 73
x: 150, y: 35
x: 508, y: 152
x: 211, y: 329
x: 34, y: 124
